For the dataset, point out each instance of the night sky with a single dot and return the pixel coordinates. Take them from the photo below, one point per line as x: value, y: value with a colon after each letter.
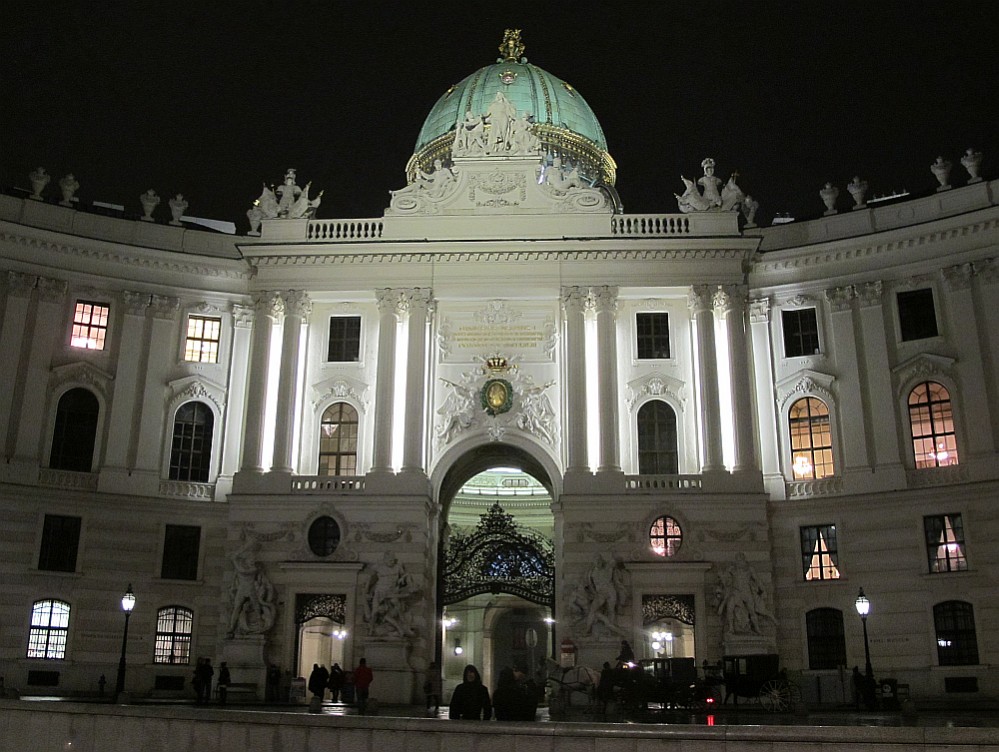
x: 211, y: 99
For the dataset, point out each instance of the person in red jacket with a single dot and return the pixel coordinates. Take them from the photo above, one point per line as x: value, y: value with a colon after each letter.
x: 362, y: 681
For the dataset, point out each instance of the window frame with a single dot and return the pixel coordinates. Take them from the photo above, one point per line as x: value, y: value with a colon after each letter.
x: 952, y: 449
x: 936, y: 538
x: 797, y: 312
x: 808, y: 542
x: 167, y: 554
x: 192, y: 316
x: 948, y: 654
x: 908, y: 294
x: 48, y: 541
x: 670, y: 551
x: 56, y: 424
x: 103, y: 327
x: 173, y: 637
x: 812, y: 448
x: 37, y: 629
x: 320, y: 454
x: 818, y: 637
x: 657, y: 450
x: 654, y: 337
x: 207, y: 442
x: 346, y: 339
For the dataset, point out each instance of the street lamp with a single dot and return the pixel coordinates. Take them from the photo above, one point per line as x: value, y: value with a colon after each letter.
x: 127, y: 604
x: 864, y: 608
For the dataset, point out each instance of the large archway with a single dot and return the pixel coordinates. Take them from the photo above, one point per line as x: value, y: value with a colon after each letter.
x: 496, y: 561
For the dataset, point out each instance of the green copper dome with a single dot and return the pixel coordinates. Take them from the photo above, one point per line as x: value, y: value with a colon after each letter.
x: 562, y: 119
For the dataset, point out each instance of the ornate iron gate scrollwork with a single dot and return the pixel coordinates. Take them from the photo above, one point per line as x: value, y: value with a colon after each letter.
x: 499, y: 556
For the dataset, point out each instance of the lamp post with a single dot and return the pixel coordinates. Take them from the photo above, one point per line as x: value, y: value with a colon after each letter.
x: 127, y: 604
x: 864, y: 608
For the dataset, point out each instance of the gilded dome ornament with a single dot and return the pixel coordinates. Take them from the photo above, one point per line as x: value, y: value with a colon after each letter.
x: 511, y: 48
x: 508, y: 76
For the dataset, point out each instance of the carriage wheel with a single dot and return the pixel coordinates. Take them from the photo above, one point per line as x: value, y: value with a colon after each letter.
x: 776, y: 696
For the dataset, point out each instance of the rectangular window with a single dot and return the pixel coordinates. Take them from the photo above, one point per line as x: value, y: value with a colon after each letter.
x: 801, y: 332
x: 826, y: 638
x: 917, y: 317
x: 180, y: 552
x: 652, y: 336
x: 945, y: 543
x: 819, y: 553
x: 90, y: 325
x: 345, y: 339
x: 60, y: 543
x: 203, y: 335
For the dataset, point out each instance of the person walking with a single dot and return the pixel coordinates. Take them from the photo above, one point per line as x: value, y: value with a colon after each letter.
x: 363, y: 677
x: 336, y: 682
x: 432, y: 689
x: 225, y: 679
x: 318, y: 680
x: 470, y: 699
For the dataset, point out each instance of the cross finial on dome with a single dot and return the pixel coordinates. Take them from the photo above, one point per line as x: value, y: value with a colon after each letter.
x: 512, y: 49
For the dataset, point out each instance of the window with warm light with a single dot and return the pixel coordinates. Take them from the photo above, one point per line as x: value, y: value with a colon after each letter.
x: 819, y: 553
x: 665, y: 537
x: 657, y: 440
x: 826, y: 638
x: 811, y: 439
x: 173, y: 635
x: 338, y: 440
x: 931, y: 419
x: 90, y: 325
x: 945, y: 543
x: 49, y: 630
x: 957, y: 642
x: 203, y: 336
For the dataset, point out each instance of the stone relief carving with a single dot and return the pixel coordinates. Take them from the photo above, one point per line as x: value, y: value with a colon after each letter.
x: 839, y: 298
x: 499, y: 131
x: 622, y: 532
x: 805, y: 383
x: 390, y: 593
x: 195, y: 388
x: 869, y: 293
x: 338, y: 390
x: 252, y: 599
x: 655, y: 385
x: 423, y: 194
x: 81, y: 373
x: 497, y: 185
x: 594, y: 600
x: 497, y: 312
x: 708, y: 193
x: 741, y: 599
x: 551, y: 340
x: 924, y: 366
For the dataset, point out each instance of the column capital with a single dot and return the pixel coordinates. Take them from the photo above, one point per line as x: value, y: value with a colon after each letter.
x: 988, y: 270
x: 869, y: 293
x: 419, y: 299
x: 20, y: 285
x: 956, y: 277
x: 730, y: 298
x: 296, y: 303
x: 268, y: 303
x: 51, y: 290
x: 604, y: 299
x: 575, y: 299
x: 391, y: 301
x: 759, y: 311
x: 700, y: 298
x: 163, y: 306
x: 136, y: 303
x: 839, y: 298
x: 242, y: 316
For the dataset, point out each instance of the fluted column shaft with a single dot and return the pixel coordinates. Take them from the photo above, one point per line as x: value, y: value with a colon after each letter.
x: 388, y: 318
x: 574, y: 302
x: 605, y: 299
x: 267, y: 307
x: 731, y: 299
x: 297, y: 308
x: 700, y: 303
x: 420, y: 302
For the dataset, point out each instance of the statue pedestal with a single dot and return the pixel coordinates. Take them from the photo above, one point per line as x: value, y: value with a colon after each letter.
x: 245, y: 656
x: 394, y: 681
x: 747, y: 644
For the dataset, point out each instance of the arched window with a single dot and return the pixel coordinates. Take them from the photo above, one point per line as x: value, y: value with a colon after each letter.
x: 957, y: 644
x: 49, y: 629
x: 173, y: 635
x: 657, y: 448
x: 338, y: 440
x: 931, y: 419
x: 665, y: 537
x: 191, y: 454
x: 811, y: 439
x: 826, y: 639
x: 75, y: 431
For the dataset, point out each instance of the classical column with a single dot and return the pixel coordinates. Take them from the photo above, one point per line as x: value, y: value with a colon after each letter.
x: 843, y: 341
x: 731, y: 299
x: 12, y: 339
x: 700, y: 303
x: 878, y: 377
x: 605, y: 304
x: 238, y: 366
x: 763, y: 369
x: 162, y: 328
x: 126, y: 406
x: 388, y: 317
x: 297, y: 308
x: 420, y: 302
x: 574, y: 302
x: 267, y: 307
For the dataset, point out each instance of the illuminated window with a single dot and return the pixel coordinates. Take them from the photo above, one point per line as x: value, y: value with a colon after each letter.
x: 203, y: 335
x: 957, y: 643
x: 49, y: 630
x: 191, y: 453
x: 657, y: 446
x: 801, y: 332
x: 917, y: 317
x: 826, y: 638
x: 665, y: 537
x: 345, y: 339
x: 173, y: 635
x: 75, y: 432
x: 652, y: 335
x: 819, y: 554
x: 811, y: 439
x: 90, y: 325
x: 60, y: 543
x: 931, y: 419
x: 945, y: 543
x: 338, y: 440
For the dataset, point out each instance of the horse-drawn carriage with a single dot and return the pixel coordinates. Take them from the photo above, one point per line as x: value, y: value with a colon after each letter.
x: 664, y: 684
x: 760, y: 677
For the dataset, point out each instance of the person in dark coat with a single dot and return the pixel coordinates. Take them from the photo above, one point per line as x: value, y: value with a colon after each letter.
x: 318, y: 680
x: 363, y: 676
x: 336, y: 682
x: 470, y: 699
x: 225, y: 679
x: 514, y: 700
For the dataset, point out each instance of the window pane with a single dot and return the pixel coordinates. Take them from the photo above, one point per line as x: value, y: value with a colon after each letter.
x: 945, y: 543
x: 345, y: 339
x: 657, y: 440
x: 811, y: 439
x: 338, y: 440
x: 665, y: 537
x: 203, y: 336
x: 190, y: 457
x: 181, y: 546
x: 652, y: 336
x: 917, y: 317
x: 90, y: 325
x: 957, y: 642
x: 49, y: 630
x: 173, y: 635
x: 801, y: 332
x: 931, y: 420
x: 75, y: 433
x: 826, y: 639
x: 60, y: 543
x: 819, y: 553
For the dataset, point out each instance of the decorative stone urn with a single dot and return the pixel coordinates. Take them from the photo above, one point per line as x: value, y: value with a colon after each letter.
x: 177, y: 208
x: 858, y: 189
x: 749, y: 207
x: 255, y: 215
x: 829, y: 194
x: 39, y: 179
x: 941, y: 169
x: 972, y: 161
x: 68, y: 185
x: 149, y: 201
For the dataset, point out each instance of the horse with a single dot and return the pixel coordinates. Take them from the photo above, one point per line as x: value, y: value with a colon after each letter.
x: 567, y: 686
